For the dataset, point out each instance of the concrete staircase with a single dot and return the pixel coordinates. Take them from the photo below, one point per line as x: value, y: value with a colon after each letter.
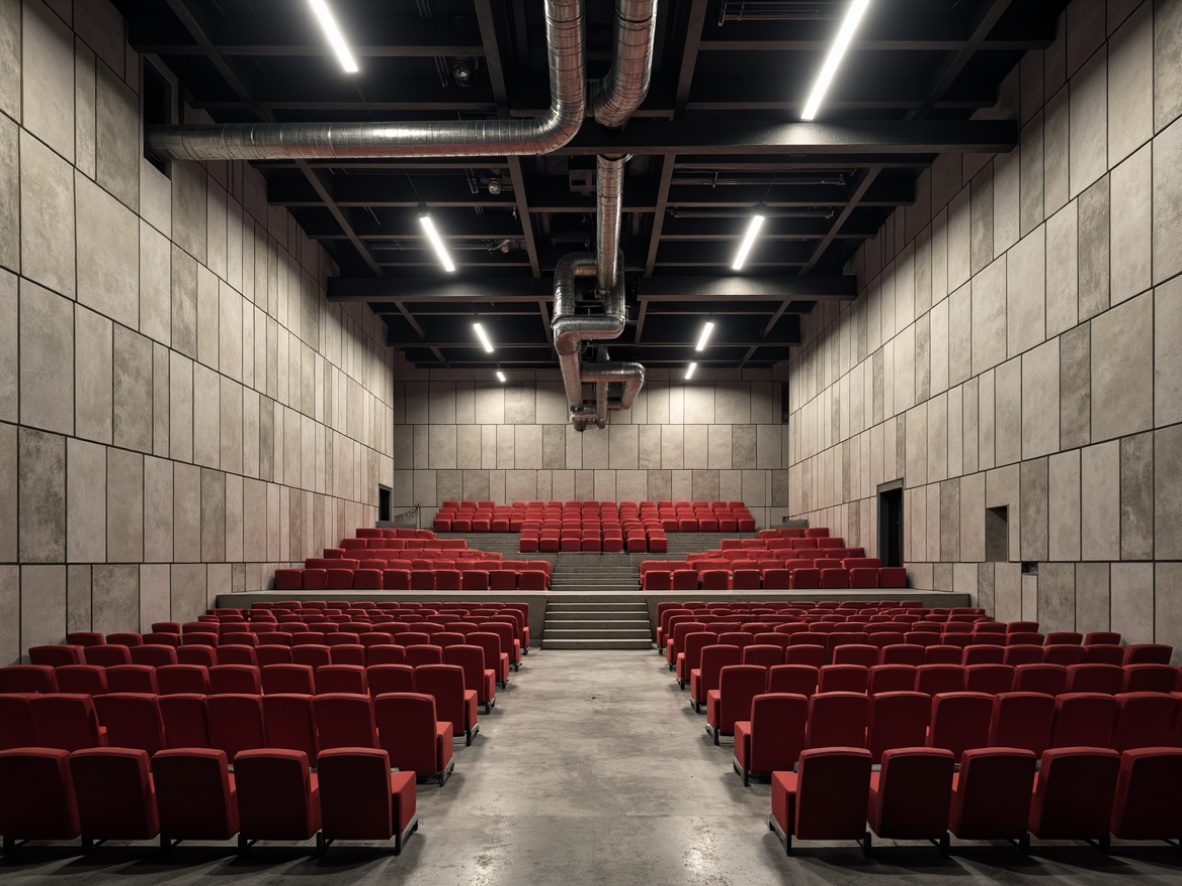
x: 601, y: 622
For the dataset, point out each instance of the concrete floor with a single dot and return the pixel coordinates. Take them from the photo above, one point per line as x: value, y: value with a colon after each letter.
x: 593, y: 770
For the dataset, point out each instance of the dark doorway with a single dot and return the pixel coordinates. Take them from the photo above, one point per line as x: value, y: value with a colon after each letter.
x: 890, y: 525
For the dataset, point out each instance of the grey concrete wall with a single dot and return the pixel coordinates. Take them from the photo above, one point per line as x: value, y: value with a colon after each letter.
x: 180, y: 408
x: 462, y: 435
x: 1017, y: 343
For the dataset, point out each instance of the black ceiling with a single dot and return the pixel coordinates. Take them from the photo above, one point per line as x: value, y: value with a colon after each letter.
x: 709, y: 143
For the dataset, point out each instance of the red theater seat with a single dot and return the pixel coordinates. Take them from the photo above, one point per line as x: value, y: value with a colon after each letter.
x: 991, y: 795
x: 28, y: 678
x: 1148, y: 786
x: 773, y: 737
x: 1094, y: 678
x: 344, y: 720
x: 288, y: 723
x: 837, y: 719
x: 1073, y: 796
x: 911, y: 796
x: 55, y: 655
x: 1022, y: 720
x: 115, y: 793
x: 731, y: 701
x: 1083, y: 719
x: 288, y: 678
x: 825, y: 799
x: 38, y: 800
x: 1144, y: 720
x: 278, y: 798
x: 897, y: 720
x: 960, y: 721
x: 360, y: 799
x: 1045, y: 678
x: 66, y: 721
x: 82, y: 679
x: 411, y: 735
x: 235, y: 723
x: 454, y: 703
x: 1146, y: 678
x: 185, y: 724
x: 195, y: 795
x: 132, y: 720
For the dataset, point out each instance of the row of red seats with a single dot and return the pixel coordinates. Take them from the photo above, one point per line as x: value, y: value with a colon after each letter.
x: 967, y: 712
x: 411, y: 605
x: 380, y: 532
x: 608, y: 539
x: 786, y: 622
x: 306, y: 669
x: 808, y: 679
x: 108, y: 794
x: 795, y: 532
x: 803, y: 675
x: 400, y: 546
x: 257, y: 634
x: 455, y: 516
x: 497, y: 640
x: 337, y: 669
x: 871, y: 638
x: 234, y: 721
x: 1079, y: 793
x: 772, y: 728
x: 426, y: 579
x: 781, y: 577
x: 685, y: 650
x: 311, y: 626
x: 688, y: 653
x: 777, y: 558
x: 886, y: 628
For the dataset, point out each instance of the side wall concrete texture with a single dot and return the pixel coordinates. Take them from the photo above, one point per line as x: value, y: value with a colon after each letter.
x: 1017, y: 342
x: 181, y: 410
x: 462, y: 435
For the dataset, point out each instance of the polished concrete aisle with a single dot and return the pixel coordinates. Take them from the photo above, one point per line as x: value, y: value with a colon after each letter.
x: 591, y: 770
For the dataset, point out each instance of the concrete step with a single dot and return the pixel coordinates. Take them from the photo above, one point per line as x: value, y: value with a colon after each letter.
x: 604, y: 615
x: 599, y: 634
x: 596, y: 644
x: 596, y: 623
x: 622, y: 602
x: 591, y: 589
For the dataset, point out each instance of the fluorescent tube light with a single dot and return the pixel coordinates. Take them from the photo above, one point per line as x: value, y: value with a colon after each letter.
x: 689, y: 372
x: 748, y: 241
x: 484, y: 339
x: 332, y: 31
x: 501, y: 377
x: 705, y: 336
x: 436, y: 241
x: 837, y: 51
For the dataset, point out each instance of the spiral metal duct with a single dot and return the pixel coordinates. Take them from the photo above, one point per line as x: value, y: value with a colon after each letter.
x: 617, y: 96
x: 478, y: 138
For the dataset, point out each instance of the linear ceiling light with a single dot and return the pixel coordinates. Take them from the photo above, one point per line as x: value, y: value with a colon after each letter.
x: 501, y: 377
x: 705, y: 336
x: 332, y: 31
x: 436, y: 240
x: 837, y: 51
x: 689, y: 372
x: 748, y: 241
x: 484, y: 339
